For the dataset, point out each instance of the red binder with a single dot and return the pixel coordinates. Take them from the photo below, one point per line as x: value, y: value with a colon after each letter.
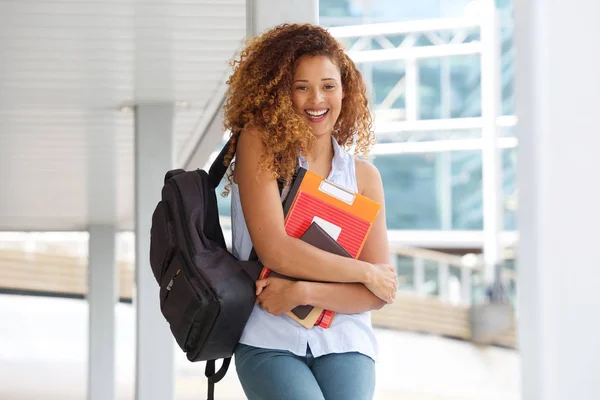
x: 346, y: 216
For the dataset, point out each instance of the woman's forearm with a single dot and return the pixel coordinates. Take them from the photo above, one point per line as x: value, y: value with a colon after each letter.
x: 297, y: 259
x: 345, y: 298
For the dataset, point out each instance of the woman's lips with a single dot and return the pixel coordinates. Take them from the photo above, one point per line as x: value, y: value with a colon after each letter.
x: 316, y: 115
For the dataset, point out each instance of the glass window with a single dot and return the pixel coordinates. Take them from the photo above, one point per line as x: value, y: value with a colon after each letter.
x: 467, y: 199
x: 370, y: 11
x: 465, y: 86
x: 509, y: 171
x: 507, y: 68
x: 430, y: 89
x: 410, y: 191
x: 442, y: 191
x: 339, y: 8
x: 381, y: 78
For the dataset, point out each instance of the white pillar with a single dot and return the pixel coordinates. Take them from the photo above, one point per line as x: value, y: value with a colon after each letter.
x: 154, y: 150
x: 557, y: 97
x: 493, y: 220
x: 102, y: 272
x: 265, y: 14
x: 102, y: 298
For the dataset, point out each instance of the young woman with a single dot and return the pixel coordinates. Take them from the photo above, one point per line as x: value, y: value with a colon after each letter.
x: 296, y: 97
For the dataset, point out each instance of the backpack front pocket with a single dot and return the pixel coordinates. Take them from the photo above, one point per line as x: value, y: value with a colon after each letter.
x: 179, y: 302
x: 162, y: 243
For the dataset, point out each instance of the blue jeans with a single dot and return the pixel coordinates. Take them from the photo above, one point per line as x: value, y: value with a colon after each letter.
x: 267, y: 374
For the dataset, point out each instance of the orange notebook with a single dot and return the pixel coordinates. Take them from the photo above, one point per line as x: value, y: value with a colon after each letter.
x: 343, y: 214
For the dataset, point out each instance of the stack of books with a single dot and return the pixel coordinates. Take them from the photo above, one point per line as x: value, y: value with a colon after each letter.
x: 330, y: 217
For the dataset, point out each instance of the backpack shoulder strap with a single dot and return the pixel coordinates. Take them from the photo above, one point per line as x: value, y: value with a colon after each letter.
x: 218, y: 169
x: 280, y: 185
x: 217, y: 172
x: 215, y: 377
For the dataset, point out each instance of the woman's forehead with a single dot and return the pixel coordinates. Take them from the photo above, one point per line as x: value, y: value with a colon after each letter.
x: 316, y: 65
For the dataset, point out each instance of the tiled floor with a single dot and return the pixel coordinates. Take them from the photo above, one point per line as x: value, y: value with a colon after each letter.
x: 43, y: 347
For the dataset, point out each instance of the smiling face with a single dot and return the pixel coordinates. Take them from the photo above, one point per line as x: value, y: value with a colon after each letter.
x: 317, y: 92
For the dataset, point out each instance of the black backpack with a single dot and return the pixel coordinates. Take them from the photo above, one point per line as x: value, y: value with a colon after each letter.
x: 206, y: 294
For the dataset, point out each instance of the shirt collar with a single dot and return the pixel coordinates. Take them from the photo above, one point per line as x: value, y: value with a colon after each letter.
x: 337, y: 163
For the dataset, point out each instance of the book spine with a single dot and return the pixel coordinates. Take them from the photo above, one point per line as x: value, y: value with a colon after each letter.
x: 264, y: 273
x: 325, y: 319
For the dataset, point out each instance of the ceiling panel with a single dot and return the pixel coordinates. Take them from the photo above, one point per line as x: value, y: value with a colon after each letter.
x: 67, y: 69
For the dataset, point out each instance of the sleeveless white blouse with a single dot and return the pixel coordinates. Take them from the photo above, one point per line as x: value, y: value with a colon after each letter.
x: 348, y: 332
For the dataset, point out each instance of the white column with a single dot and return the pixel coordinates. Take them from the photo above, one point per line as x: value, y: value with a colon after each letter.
x: 265, y: 14
x: 154, y: 151
x: 102, y: 272
x: 491, y: 167
x: 102, y: 298
x: 558, y: 93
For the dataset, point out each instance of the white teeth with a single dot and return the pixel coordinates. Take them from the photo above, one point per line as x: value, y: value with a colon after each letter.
x: 316, y: 113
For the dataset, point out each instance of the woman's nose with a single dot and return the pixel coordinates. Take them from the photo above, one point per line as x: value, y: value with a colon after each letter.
x: 317, y: 97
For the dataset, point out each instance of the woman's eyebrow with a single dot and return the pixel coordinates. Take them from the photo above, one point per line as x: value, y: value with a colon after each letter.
x: 324, y: 79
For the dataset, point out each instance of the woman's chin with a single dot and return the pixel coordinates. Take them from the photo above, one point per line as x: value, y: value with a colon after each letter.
x: 320, y: 133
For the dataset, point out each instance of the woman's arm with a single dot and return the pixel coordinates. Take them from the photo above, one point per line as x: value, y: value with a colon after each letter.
x: 279, y: 296
x: 263, y: 213
x: 345, y: 298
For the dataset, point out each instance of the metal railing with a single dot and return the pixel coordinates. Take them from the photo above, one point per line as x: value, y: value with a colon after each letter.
x: 450, y: 288
x: 414, y: 264
x: 435, y: 304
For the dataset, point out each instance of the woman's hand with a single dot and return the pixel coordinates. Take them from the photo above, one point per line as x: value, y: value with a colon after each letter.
x: 383, y: 282
x: 277, y: 296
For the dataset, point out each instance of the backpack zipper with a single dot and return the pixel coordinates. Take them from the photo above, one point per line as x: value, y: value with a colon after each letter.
x: 188, y: 241
x: 172, y: 281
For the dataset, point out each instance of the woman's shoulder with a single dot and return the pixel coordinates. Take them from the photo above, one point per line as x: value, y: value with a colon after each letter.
x: 367, y: 176
x: 250, y: 135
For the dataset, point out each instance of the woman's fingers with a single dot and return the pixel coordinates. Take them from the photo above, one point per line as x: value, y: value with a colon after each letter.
x: 260, y: 285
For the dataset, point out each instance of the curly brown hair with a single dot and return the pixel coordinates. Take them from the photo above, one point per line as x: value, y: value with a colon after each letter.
x: 260, y: 95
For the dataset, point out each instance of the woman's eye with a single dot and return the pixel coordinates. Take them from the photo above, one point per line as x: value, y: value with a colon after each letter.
x: 301, y: 88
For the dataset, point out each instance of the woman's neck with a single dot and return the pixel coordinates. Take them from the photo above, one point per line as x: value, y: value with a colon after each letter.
x: 320, y: 156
